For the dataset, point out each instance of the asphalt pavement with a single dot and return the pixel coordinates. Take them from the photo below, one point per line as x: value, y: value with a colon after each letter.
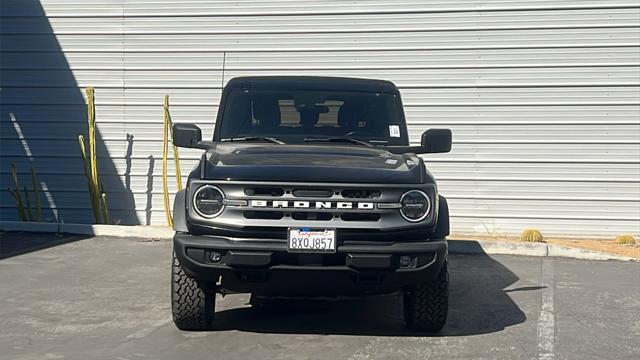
x: 81, y: 297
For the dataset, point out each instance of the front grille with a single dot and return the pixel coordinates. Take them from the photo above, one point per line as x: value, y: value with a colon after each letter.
x: 313, y: 193
x: 360, y: 217
x: 311, y: 216
x: 279, y: 206
x: 264, y: 191
x: 310, y: 204
x: 361, y: 194
x: 264, y: 215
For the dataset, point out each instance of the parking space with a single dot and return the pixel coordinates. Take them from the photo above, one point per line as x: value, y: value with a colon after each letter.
x: 108, y: 298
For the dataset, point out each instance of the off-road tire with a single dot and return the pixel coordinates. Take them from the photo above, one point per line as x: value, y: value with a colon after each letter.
x: 426, y: 305
x: 192, y: 306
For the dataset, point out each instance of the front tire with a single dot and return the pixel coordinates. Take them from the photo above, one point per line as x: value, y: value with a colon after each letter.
x: 192, y: 306
x: 426, y: 305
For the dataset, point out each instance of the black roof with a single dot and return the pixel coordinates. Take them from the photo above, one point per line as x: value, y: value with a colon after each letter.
x: 311, y: 83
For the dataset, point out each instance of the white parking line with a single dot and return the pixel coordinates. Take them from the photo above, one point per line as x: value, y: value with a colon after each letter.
x: 547, y: 320
x: 148, y: 330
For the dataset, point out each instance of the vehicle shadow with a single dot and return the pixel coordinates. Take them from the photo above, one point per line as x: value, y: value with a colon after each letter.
x: 479, y: 304
x: 19, y: 243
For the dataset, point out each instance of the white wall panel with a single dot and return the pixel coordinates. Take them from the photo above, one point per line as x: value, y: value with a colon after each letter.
x: 434, y: 59
x: 397, y: 41
x: 359, y: 23
x: 543, y: 96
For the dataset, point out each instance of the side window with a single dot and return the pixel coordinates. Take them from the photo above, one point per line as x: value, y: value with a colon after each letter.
x: 329, y: 118
x: 289, y: 116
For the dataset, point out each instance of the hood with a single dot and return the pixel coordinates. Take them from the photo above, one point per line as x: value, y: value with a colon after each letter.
x: 311, y: 163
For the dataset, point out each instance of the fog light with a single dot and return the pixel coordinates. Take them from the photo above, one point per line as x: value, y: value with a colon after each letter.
x: 405, y: 261
x: 215, y: 256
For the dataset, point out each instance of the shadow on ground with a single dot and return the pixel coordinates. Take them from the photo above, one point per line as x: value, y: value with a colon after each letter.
x: 479, y: 305
x: 42, y: 112
x: 18, y: 243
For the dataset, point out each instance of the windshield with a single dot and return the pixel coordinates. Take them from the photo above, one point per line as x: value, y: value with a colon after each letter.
x: 299, y: 116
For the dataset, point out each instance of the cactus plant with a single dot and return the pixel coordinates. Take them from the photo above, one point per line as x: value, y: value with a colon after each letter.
x: 15, y: 192
x: 36, y: 194
x: 97, y: 194
x: 531, y: 235
x: 26, y: 213
x: 104, y: 209
x: 168, y: 130
x: 625, y: 239
x: 28, y: 201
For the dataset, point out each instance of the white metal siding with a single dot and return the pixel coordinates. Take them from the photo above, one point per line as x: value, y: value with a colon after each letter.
x: 543, y: 96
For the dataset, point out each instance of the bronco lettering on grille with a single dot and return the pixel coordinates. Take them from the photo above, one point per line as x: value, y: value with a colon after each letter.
x: 313, y: 204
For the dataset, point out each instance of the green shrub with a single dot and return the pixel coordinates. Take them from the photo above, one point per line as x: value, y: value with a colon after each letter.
x: 531, y: 235
x: 625, y: 239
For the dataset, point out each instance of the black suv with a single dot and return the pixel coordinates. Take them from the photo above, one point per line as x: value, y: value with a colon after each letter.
x: 310, y: 188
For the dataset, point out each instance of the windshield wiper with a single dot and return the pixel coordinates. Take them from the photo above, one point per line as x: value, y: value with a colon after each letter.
x: 253, y: 138
x: 339, y: 139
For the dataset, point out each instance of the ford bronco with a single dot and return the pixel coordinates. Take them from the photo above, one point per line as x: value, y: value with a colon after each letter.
x: 310, y: 187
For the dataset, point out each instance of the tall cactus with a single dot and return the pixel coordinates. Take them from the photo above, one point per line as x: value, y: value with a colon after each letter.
x: 26, y: 213
x: 168, y: 130
x: 29, y: 211
x: 15, y: 192
x: 96, y: 191
x: 36, y: 194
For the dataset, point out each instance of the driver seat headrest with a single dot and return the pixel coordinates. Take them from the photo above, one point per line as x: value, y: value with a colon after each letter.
x: 309, y: 116
x: 349, y: 115
x: 267, y: 112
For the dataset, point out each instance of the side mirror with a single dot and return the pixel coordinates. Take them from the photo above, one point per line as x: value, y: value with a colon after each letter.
x: 187, y: 135
x: 436, y: 140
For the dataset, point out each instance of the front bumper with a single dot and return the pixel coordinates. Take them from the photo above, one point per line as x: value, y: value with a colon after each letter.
x: 265, y: 267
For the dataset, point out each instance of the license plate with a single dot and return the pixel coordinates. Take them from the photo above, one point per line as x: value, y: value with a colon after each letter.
x: 306, y: 240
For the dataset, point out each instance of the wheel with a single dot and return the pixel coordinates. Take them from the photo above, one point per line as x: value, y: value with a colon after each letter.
x: 426, y: 305
x: 192, y: 306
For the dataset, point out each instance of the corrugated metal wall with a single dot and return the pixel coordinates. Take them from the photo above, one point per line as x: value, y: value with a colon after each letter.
x: 543, y: 96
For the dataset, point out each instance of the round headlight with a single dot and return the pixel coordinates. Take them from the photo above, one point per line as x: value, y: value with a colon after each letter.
x: 414, y: 205
x: 208, y: 201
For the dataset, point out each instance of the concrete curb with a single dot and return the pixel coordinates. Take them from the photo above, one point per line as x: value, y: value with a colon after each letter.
x: 29, y: 226
x: 529, y: 249
x: 497, y: 247
x: 455, y: 246
x: 132, y: 231
x: 564, y: 251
